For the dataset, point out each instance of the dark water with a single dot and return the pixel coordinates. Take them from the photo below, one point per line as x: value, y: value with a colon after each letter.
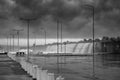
x: 107, y: 66
x: 108, y: 60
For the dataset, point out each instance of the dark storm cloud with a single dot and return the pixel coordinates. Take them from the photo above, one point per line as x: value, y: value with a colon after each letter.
x: 65, y: 10
x: 5, y: 9
x: 30, y: 8
x: 107, y: 13
x: 70, y: 12
x: 42, y: 8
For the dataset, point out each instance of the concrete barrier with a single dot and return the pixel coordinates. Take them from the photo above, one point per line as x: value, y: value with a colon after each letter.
x: 34, y: 71
x: 37, y: 73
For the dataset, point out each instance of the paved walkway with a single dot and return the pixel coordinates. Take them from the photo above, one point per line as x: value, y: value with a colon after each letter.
x: 11, y: 70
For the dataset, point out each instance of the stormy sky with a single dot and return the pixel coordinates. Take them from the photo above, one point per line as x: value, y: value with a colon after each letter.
x: 75, y: 16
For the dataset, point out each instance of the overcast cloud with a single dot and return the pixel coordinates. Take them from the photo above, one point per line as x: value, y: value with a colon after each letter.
x: 76, y: 19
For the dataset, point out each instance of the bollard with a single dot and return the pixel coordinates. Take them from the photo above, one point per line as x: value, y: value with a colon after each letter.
x: 59, y: 78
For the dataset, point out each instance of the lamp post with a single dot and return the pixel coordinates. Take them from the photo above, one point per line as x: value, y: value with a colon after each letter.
x: 65, y: 46
x: 10, y: 41
x: 58, y: 46
x: 7, y: 43
x: 61, y: 35
x: 93, y: 33
x: 13, y: 41
x: 18, y: 33
x: 34, y: 44
x: 13, y: 36
x: 44, y: 37
x: 45, y: 40
x: 28, y: 29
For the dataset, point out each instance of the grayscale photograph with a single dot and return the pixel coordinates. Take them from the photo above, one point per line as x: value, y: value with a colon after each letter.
x: 59, y: 39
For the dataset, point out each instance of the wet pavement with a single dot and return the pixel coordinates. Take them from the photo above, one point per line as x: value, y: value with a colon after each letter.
x: 11, y: 70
